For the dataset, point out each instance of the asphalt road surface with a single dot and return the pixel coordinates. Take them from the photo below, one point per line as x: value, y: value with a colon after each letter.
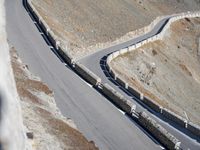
x: 95, y: 116
x: 96, y: 62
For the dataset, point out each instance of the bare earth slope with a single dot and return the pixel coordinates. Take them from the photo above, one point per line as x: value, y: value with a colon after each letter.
x: 47, y: 128
x: 175, y: 80
x: 81, y: 24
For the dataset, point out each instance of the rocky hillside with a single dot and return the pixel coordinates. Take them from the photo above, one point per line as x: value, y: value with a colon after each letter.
x: 47, y: 129
x: 83, y: 25
x: 168, y: 71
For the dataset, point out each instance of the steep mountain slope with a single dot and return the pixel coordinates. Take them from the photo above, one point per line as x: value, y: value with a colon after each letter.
x: 174, y: 81
x: 83, y: 25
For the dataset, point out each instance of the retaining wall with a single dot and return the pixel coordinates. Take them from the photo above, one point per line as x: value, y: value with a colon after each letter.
x: 150, y: 103
x: 134, y: 92
x: 160, y: 133
x: 174, y: 117
x: 118, y: 99
x: 120, y: 81
x: 87, y: 74
x: 195, y: 129
x: 84, y: 72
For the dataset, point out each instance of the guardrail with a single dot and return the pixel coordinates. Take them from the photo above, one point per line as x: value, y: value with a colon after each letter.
x: 80, y: 69
x: 159, y: 132
x: 94, y: 80
x: 195, y: 129
x: 118, y: 99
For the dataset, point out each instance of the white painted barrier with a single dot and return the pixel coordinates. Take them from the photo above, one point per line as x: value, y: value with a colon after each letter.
x: 123, y: 51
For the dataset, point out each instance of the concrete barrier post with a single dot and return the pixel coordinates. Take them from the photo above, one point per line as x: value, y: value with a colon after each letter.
x: 161, y: 109
x: 57, y: 44
x: 40, y: 20
x: 126, y: 85
x: 115, y: 77
x: 186, y: 123
x: 141, y: 96
x: 47, y: 32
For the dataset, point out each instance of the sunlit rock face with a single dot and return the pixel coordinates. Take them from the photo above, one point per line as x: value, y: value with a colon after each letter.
x: 12, y: 135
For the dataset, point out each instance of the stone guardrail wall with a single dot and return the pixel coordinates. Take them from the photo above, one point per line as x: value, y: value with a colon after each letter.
x: 195, y: 129
x: 79, y: 68
x: 89, y: 76
x: 159, y: 132
x: 83, y: 71
x: 118, y: 99
x: 61, y: 49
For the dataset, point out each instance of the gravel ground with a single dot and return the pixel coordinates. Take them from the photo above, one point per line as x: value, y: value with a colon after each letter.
x: 46, y: 127
x: 168, y: 71
x: 87, y: 25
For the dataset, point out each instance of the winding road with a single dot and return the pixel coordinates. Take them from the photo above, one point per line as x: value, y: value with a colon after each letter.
x: 97, y: 118
x: 97, y: 64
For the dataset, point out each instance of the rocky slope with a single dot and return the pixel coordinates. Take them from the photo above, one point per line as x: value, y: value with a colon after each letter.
x: 47, y: 129
x: 12, y: 133
x: 87, y: 25
x: 168, y: 71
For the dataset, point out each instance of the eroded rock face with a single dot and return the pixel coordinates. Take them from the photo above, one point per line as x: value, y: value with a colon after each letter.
x: 175, y: 80
x: 12, y: 136
x: 145, y: 72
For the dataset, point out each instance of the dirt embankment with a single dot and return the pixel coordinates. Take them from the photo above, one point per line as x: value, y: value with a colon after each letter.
x: 168, y: 71
x: 87, y: 25
x: 47, y: 129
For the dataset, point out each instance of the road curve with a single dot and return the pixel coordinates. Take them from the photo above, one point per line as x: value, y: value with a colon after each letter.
x: 96, y: 62
x: 95, y: 116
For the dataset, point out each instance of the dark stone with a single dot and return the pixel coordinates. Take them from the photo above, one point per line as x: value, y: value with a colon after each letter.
x: 30, y: 135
